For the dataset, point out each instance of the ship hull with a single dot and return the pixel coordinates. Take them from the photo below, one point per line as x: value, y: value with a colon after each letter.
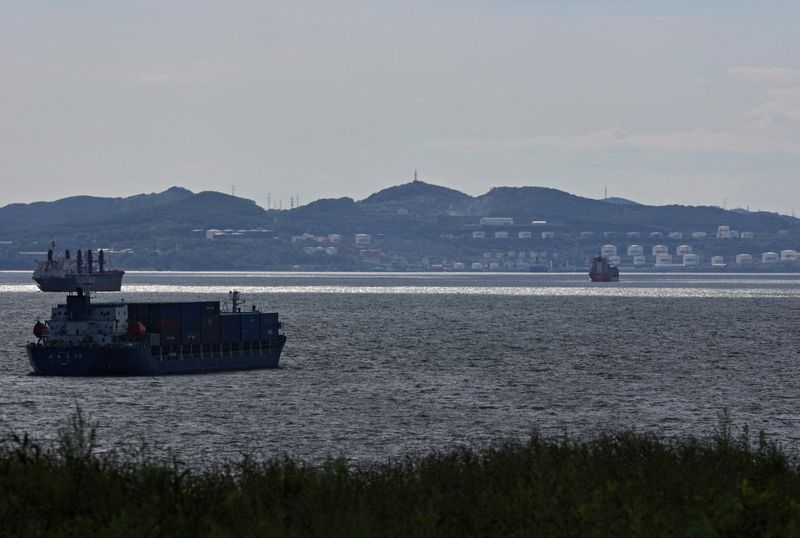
x: 602, y: 277
x: 143, y: 360
x: 108, y: 281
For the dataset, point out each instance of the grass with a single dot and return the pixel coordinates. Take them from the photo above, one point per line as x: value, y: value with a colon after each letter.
x: 617, y: 484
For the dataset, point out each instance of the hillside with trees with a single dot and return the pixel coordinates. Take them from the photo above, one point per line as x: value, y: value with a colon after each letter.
x: 409, y: 225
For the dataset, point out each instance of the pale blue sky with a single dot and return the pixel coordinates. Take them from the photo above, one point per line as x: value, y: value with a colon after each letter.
x: 678, y: 104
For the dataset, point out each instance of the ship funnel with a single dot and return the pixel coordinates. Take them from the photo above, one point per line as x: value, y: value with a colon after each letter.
x: 89, y: 262
x: 101, y: 260
x: 49, y: 254
x: 80, y: 262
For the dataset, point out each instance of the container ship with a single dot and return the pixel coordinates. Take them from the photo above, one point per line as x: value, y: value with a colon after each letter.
x: 84, y: 338
x: 601, y: 270
x: 57, y: 273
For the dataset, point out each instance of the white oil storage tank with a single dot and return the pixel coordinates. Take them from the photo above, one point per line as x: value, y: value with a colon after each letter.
x: 717, y: 260
x: 744, y: 259
x: 663, y: 259
x: 691, y: 259
x: 635, y: 250
x: 608, y: 250
x: 683, y: 249
x: 660, y: 249
x: 788, y: 255
x: 769, y: 257
x: 363, y: 239
x: 639, y: 260
x: 614, y: 260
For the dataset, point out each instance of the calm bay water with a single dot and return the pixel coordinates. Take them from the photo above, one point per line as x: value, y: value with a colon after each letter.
x: 381, y: 365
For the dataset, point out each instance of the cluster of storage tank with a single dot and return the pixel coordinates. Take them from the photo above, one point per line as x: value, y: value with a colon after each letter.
x: 685, y: 256
x: 769, y: 257
x: 659, y: 252
x: 482, y: 234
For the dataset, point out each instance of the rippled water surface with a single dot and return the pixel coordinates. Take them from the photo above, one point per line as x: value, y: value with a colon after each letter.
x: 380, y: 365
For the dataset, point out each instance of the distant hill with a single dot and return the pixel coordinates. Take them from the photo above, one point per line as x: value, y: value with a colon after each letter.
x: 344, y: 216
x: 408, y: 223
x: 323, y: 217
x: 616, y: 200
x: 82, y: 209
x: 168, y: 218
x: 416, y: 198
x: 578, y: 213
x: 407, y: 210
x: 203, y: 210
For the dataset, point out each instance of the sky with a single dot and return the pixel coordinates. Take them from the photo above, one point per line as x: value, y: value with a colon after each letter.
x: 695, y: 103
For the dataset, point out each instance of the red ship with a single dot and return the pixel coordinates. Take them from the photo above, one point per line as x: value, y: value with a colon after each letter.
x: 601, y: 270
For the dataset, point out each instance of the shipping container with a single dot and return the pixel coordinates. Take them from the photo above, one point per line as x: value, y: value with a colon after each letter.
x: 191, y: 314
x: 139, y: 312
x: 200, y: 322
x: 190, y: 336
x: 169, y: 322
x: 210, y: 335
x: 269, y: 325
x: 230, y: 328
x: 155, y: 318
x: 191, y: 322
x: 251, y: 327
x: 210, y: 329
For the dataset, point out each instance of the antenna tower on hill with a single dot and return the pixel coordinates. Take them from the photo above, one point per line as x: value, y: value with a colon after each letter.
x: 416, y: 177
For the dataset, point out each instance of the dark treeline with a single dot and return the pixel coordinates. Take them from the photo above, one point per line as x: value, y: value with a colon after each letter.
x: 616, y: 484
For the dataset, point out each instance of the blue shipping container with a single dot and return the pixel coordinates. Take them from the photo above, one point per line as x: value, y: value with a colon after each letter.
x: 251, y: 327
x: 269, y: 325
x: 230, y: 328
x: 169, y: 323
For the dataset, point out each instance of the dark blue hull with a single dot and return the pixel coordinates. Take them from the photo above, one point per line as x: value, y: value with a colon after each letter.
x: 133, y: 359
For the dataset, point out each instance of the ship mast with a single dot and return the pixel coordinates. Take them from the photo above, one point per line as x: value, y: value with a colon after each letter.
x: 235, y: 300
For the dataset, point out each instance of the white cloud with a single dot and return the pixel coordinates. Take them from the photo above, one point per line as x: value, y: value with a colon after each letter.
x: 764, y: 72
x: 697, y: 140
x: 150, y: 78
x: 189, y: 73
x: 781, y: 108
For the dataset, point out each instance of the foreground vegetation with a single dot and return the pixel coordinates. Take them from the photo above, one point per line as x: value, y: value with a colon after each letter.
x: 612, y: 485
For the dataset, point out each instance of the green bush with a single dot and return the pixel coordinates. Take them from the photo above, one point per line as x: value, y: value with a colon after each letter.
x: 616, y: 484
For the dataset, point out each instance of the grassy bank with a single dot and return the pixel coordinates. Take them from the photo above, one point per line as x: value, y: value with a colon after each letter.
x: 612, y: 485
